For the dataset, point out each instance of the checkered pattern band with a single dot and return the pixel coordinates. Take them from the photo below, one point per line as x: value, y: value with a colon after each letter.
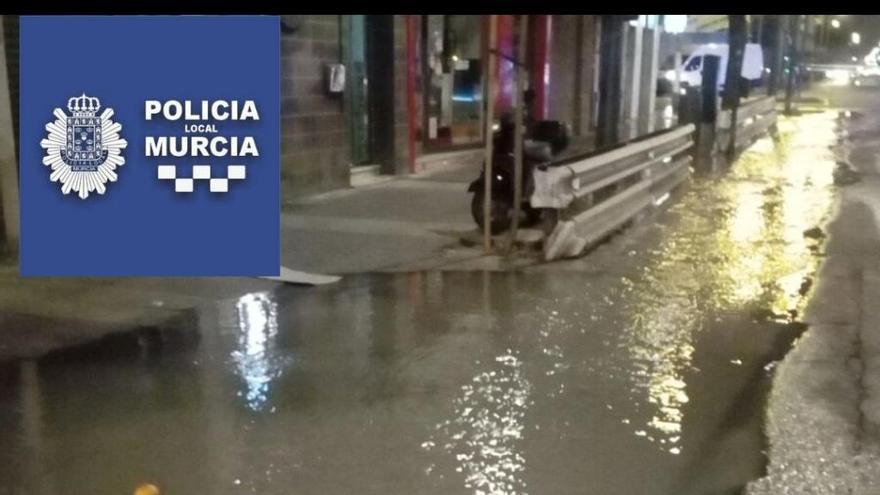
x: 201, y: 172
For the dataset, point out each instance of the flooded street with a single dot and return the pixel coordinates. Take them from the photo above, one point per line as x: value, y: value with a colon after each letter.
x: 641, y: 368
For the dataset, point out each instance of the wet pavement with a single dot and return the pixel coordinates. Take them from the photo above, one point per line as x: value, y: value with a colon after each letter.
x: 641, y: 368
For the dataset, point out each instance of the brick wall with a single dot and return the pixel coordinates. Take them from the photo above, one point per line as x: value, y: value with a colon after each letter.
x: 315, y: 145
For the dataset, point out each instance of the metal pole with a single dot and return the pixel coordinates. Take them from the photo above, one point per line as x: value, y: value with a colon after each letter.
x: 738, y: 33
x: 636, y: 82
x: 489, y: 94
x: 518, y: 130
x: 778, y: 66
x: 676, y: 83
x: 794, y: 29
x: 649, y: 80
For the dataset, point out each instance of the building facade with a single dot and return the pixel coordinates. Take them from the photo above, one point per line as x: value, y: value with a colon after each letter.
x: 414, y: 89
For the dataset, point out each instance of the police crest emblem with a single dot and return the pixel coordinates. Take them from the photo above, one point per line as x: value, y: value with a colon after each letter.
x: 83, y: 148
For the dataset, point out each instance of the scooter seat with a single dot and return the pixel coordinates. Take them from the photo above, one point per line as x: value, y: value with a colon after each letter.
x: 537, y: 150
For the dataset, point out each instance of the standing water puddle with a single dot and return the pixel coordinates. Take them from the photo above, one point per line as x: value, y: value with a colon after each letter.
x: 644, y: 374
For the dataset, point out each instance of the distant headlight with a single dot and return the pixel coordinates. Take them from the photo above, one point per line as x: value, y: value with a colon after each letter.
x: 669, y: 75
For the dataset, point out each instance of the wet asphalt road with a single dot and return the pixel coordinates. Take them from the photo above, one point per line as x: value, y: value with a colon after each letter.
x: 640, y: 369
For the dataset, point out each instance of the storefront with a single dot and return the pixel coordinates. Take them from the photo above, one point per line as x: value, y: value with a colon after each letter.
x: 453, y: 52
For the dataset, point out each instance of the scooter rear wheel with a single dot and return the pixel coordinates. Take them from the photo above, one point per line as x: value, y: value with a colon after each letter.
x: 500, y: 210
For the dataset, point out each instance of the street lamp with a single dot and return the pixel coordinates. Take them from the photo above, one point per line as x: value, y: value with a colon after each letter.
x: 855, y: 38
x: 835, y: 23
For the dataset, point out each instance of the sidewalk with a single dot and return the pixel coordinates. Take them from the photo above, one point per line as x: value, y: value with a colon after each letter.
x: 823, y: 417
x: 417, y: 222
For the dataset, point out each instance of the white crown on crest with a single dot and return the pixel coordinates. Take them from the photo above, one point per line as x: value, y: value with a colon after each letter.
x: 84, y: 106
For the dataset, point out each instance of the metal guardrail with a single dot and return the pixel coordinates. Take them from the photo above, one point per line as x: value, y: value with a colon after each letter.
x: 597, y: 194
x: 754, y: 118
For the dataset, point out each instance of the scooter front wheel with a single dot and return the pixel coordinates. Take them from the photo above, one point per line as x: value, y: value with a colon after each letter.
x: 500, y: 211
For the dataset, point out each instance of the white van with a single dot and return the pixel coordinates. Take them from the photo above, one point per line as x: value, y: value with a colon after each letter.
x: 691, y: 68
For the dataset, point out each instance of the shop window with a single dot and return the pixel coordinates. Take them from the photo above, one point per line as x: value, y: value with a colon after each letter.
x: 453, y: 48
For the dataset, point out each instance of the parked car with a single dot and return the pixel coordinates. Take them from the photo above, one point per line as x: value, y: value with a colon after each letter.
x: 691, y: 69
x: 868, y: 76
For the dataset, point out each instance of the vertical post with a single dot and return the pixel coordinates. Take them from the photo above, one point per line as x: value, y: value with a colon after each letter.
x: 709, y: 112
x: 676, y: 83
x: 801, y: 46
x: 489, y: 98
x: 636, y: 80
x: 794, y: 29
x: 776, y: 70
x: 738, y: 34
x: 518, y: 130
x: 610, y: 46
x: 8, y: 160
x: 650, y: 78
x: 411, y: 88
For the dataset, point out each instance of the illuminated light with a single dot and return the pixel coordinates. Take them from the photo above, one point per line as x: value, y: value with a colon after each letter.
x: 856, y: 38
x: 675, y: 24
x: 835, y: 23
x: 838, y: 76
x: 669, y: 75
x: 662, y: 199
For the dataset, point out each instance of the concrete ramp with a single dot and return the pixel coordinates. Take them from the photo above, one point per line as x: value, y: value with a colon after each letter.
x: 297, y: 277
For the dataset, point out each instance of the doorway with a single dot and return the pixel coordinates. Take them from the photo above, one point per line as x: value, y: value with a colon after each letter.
x: 371, y: 86
x: 359, y: 91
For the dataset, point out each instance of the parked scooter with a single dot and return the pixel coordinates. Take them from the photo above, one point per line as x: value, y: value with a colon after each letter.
x: 542, y: 141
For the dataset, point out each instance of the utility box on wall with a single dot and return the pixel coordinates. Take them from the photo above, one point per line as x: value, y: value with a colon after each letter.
x: 335, y: 77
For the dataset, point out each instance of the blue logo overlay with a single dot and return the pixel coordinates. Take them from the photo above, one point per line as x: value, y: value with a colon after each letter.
x: 162, y: 157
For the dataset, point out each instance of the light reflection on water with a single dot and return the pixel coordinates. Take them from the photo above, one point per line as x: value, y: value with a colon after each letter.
x: 486, y: 433
x: 257, y: 359
x: 734, y: 244
x: 740, y: 244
